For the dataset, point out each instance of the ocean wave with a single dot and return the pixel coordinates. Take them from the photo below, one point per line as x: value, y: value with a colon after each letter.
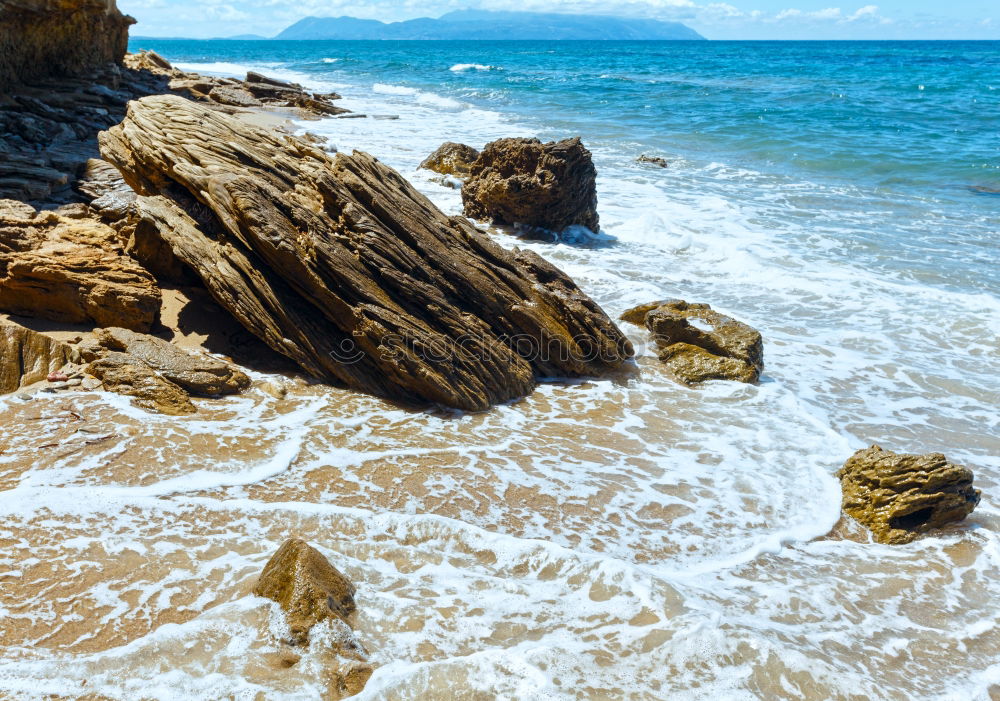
x: 462, y: 67
x: 423, y: 98
x: 385, y: 89
x: 329, y: 60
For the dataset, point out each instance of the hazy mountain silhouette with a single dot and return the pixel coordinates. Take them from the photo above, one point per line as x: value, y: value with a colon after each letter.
x: 485, y: 25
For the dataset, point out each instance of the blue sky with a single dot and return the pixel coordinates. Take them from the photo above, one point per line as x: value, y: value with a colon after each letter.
x: 728, y: 19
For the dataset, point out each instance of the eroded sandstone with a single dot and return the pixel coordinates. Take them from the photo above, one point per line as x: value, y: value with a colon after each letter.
x: 341, y: 265
x: 306, y: 586
x: 71, y: 269
x: 899, y: 497
x: 41, y: 38
x: 698, y: 344
x: 451, y: 158
x: 27, y: 356
x: 196, y: 373
x: 123, y: 374
x: 546, y: 186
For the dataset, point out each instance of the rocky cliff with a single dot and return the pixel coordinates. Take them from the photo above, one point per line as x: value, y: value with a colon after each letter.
x: 42, y: 38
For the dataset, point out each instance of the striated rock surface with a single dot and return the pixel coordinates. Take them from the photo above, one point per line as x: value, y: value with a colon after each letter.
x: 41, y: 38
x: 339, y: 264
x: 197, y: 374
x: 548, y: 186
x: 70, y: 269
x: 256, y: 91
x: 451, y: 158
x: 27, y: 356
x: 698, y: 344
x: 899, y: 497
x: 123, y: 374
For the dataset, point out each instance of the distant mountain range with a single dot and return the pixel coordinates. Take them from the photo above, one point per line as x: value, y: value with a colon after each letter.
x: 485, y: 25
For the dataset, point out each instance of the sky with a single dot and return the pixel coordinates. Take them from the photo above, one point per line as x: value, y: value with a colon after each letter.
x: 731, y: 19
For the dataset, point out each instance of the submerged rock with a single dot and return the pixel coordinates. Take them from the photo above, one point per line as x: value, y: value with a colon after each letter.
x: 197, y: 374
x: 698, y: 344
x: 123, y: 374
x: 27, y: 357
x: 451, y: 159
x: 306, y: 586
x: 899, y: 497
x: 341, y: 265
x: 71, y: 270
x: 549, y: 186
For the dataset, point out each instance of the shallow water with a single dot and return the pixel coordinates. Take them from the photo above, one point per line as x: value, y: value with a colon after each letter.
x: 624, y: 538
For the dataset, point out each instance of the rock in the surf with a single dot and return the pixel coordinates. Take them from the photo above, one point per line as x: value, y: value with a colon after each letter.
x: 547, y: 186
x: 899, y: 497
x: 27, y: 356
x: 195, y: 373
x: 451, y: 158
x: 652, y: 160
x: 306, y: 586
x: 698, y: 344
x: 71, y: 270
x: 124, y: 374
x: 341, y: 265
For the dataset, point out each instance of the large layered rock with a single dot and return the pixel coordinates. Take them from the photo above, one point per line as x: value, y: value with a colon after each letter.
x: 900, y: 497
x: 524, y: 182
x: 40, y: 38
x: 309, y: 591
x: 341, y: 265
x: 27, y: 356
x: 698, y: 344
x: 451, y: 158
x: 71, y: 270
x: 198, y: 374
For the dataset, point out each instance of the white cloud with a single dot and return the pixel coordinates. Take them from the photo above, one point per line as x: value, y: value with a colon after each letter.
x: 829, y: 14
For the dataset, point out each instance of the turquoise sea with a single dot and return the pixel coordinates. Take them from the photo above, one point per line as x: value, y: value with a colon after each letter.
x: 624, y: 538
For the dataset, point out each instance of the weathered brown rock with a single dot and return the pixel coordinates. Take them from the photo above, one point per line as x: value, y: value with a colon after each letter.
x: 123, y: 374
x: 899, y: 497
x: 306, y: 586
x: 548, y: 186
x: 451, y: 159
x: 71, y: 270
x: 40, y: 38
x: 27, y: 356
x: 698, y: 344
x: 198, y: 374
x: 341, y: 265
